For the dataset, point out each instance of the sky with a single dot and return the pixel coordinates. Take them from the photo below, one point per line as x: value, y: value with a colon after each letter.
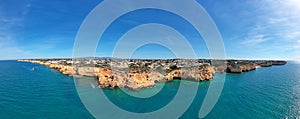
x: 250, y: 29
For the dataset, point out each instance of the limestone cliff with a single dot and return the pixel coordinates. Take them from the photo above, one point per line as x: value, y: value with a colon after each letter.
x: 110, y: 79
x: 139, y: 76
x: 239, y: 68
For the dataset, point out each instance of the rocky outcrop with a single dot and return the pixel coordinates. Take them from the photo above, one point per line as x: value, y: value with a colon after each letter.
x: 68, y: 70
x: 221, y: 68
x: 271, y: 63
x: 194, y: 74
x: 279, y: 62
x: 239, y: 68
x: 85, y: 71
x: 109, y: 78
x: 139, y: 80
x: 139, y: 76
x: 265, y: 64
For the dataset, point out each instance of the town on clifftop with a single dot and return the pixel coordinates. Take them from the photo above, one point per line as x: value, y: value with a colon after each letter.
x: 141, y: 73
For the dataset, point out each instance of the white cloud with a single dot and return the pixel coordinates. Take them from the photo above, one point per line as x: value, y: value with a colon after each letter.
x: 254, y: 40
x: 9, y: 50
x: 293, y: 34
x: 274, y: 28
x: 10, y: 21
x: 277, y: 20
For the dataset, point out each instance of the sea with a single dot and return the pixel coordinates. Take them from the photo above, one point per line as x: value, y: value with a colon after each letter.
x: 269, y: 93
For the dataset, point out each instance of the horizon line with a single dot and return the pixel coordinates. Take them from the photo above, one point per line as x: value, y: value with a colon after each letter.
x: 145, y: 58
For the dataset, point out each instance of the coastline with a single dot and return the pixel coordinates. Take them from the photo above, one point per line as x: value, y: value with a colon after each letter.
x: 137, y: 74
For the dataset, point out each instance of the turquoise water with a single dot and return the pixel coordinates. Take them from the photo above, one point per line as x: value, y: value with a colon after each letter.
x: 272, y: 92
x: 44, y: 93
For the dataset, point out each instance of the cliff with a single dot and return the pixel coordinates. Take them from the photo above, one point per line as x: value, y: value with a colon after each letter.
x: 136, y: 74
x: 111, y: 79
x: 239, y: 68
x: 279, y: 62
x: 108, y: 78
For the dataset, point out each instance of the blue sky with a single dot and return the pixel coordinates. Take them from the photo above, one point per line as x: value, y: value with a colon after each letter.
x: 251, y: 29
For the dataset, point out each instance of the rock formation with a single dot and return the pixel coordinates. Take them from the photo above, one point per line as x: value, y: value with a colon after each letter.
x: 139, y: 75
x: 239, y: 68
x: 109, y: 78
x: 278, y: 62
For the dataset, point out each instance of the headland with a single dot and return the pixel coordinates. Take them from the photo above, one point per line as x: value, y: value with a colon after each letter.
x: 141, y: 73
